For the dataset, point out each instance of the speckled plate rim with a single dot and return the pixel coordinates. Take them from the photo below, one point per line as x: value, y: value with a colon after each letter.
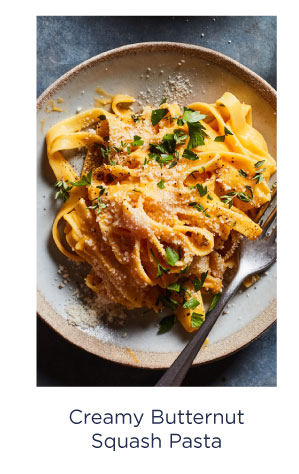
x: 144, y: 359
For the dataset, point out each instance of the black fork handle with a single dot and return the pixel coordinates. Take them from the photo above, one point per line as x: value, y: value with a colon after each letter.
x: 176, y: 373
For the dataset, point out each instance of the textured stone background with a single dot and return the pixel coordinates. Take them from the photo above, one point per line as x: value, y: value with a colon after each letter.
x: 64, y: 42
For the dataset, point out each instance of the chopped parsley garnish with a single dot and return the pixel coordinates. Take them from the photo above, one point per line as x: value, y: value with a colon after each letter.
x: 190, y: 155
x: 185, y: 270
x: 157, y: 115
x: 220, y: 138
x: 167, y: 323
x: 160, y: 267
x: 171, y: 256
x: 129, y: 149
x: 197, y: 320
x: 84, y: 181
x: 174, y: 287
x: 243, y: 173
x: 192, y: 116
x: 196, y: 135
x: 202, y: 189
x: 137, y: 141
x: 136, y: 191
x: 161, y: 184
x: 102, y: 189
x: 102, y: 117
x: 63, y: 190
x: 172, y: 165
x: 116, y: 149
x: 163, y: 101
x: 196, y: 129
x: 197, y: 206
x: 191, y: 304
x: 136, y: 117
x: 180, y: 136
x: 168, y: 143
x: 198, y: 283
x: 214, y: 301
x: 98, y: 205
x: 164, y: 159
x: 209, y: 197
x: 258, y: 164
x: 227, y: 131
x: 168, y: 302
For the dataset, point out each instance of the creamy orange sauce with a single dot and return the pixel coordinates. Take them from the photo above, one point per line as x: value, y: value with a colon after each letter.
x: 42, y: 124
x: 52, y: 107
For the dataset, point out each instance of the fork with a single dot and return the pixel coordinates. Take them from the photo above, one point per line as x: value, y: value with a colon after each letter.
x: 254, y: 257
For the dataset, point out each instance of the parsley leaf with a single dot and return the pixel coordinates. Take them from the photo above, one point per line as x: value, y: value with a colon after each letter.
x: 202, y: 189
x: 197, y: 320
x: 199, y: 283
x: 180, y: 136
x: 214, y: 301
x: 174, y: 287
x: 163, y: 101
x: 221, y: 138
x: 185, y: 270
x: 227, y: 131
x: 167, y: 323
x: 196, y: 134
x: 174, y: 163
x: 191, y: 304
x: 168, y: 302
x: 164, y: 159
x: 161, y: 184
x: 102, y: 117
x: 168, y: 143
x: 160, y: 267
x: 190, y: 155
x: 197, y: 206
x: 136, y: 117
x: 171, y: 256
x: 137, y: 141
x: 192, y: 116
x: 157, y: 115
x: 84, y: 181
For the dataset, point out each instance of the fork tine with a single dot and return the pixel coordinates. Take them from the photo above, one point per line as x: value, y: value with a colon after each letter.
x: 265, y: 206
x: 273, y: 236
x: 269, y: 220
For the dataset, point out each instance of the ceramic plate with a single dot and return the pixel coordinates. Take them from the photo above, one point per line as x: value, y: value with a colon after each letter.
x: 142, y: 70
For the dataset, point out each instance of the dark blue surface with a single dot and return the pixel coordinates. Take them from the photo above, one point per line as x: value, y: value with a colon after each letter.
x: 64, y: 42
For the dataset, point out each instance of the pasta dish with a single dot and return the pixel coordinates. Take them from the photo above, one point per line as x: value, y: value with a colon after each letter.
x: 162, y: 201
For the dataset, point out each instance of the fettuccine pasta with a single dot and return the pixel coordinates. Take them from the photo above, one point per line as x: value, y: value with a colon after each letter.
x: 163, y: 199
